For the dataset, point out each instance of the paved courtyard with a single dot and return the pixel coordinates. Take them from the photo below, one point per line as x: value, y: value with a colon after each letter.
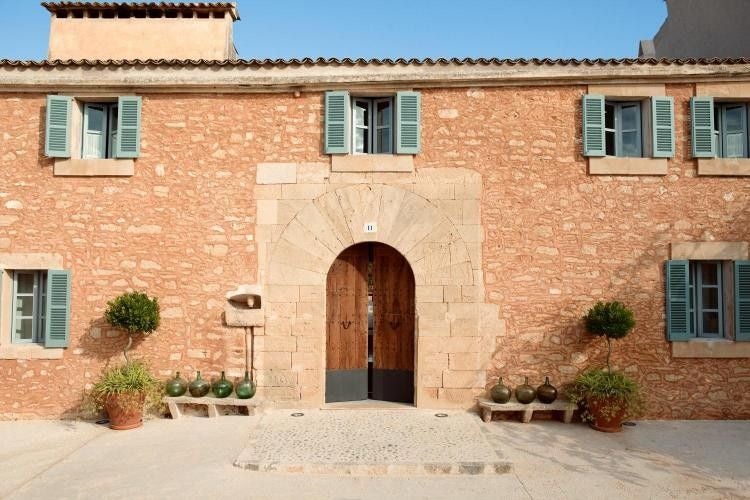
x: 193, y: 458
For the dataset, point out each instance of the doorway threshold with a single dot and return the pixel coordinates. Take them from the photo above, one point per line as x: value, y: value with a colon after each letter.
x: 368, y: 404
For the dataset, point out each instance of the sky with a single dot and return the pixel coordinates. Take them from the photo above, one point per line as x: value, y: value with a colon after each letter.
x: 402, y: 28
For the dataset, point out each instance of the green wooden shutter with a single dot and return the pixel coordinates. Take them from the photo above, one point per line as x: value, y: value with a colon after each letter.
x: 337, y: 122
x: 408, y: 128
x: 678, y: 301
x: 57, y: 136
x: 128, y: 127
x: 742, y: 300
x: 702, y: 118
x: 662, y: 115
x: 57, y: 326
x: 593, y: 125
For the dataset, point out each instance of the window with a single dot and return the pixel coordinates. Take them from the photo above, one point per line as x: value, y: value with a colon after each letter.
x: 730, y: 130
x: 29, y: 306
x: 99, y: 134
x: 622, y: 129
x: 93, y: 130
x: 372, y: 125
x: 706, y: 299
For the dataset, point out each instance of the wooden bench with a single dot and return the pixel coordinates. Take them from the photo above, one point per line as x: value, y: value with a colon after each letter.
x: 175, y: 404
x: 487, y: 407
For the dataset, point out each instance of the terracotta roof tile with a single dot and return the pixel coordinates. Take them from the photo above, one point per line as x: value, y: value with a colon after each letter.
x: 230, y: 7
x: 375, y: 62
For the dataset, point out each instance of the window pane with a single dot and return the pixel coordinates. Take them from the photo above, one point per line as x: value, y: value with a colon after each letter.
x: 24, y: 306
x: 25, y: 282
x: 734, y: 118
x: 735, y: 145
x: 609, y: 116
x: 360, y: 114
x: 610, y: 140
x: 710, y: 323
x: 384, y: 140
x: 384, y: 113
x: 710, y: 298
x: 709, y: 273
x: 96, y: 119
x: 360, y: 140
x: 24, y: 329
x: 630, y: 145
x: 630, y: 117
x: 113, y: 118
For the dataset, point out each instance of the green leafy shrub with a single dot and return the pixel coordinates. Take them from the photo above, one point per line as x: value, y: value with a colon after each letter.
x: 134, y: 312
x: 614, y: 391
x: 129, y: 381
x: 611, y: 320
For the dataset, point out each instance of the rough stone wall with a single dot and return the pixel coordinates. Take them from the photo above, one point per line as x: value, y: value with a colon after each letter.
x: 558, y: 240
x: 183, y: 228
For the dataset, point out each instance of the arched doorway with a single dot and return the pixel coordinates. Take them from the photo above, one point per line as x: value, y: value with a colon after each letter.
x: 370, y: 324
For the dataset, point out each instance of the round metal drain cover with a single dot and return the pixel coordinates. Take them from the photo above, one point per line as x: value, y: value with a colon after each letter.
x: 298, y: 414
x: 441, y: 415
x: 629, y: 424
x: 103, y: 421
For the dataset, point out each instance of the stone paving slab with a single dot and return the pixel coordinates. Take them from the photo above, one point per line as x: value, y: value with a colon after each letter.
x: 371, y: 442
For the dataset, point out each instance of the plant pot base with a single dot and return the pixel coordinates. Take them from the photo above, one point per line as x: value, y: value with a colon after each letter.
x: 605, y: 429
x: 125, y: 427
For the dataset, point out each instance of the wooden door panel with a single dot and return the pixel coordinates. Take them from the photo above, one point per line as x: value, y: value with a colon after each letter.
x: 394, y: 309
x: 346, y: 322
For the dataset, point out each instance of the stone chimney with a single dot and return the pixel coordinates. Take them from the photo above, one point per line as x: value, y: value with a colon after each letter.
x: 153, y: 30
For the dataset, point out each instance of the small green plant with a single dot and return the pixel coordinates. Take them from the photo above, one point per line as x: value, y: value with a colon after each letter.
x: 130, y: 382
x: 134, y: 312
x: 614, y: 392
x: 611, y: 320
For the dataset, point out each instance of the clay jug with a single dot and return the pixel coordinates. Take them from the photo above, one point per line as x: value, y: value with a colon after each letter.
x: 177, y: 386
x: 500, y: 393
x: 245, y: 388
x: 546, y: 392
x: 199, y: 387
x: 525, y: 393
x: 222, y: 387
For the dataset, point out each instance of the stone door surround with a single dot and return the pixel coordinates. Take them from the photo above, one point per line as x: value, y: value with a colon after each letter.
x: 431, y: 217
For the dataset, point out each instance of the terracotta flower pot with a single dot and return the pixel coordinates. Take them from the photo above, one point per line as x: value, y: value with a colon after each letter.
x: 125, y: 410
x: 605, y: 415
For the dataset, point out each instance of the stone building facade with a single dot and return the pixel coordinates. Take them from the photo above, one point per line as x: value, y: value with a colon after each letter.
x: 511, y: 227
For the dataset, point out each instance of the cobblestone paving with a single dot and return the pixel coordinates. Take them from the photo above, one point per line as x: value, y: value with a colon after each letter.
x: 371, y: 442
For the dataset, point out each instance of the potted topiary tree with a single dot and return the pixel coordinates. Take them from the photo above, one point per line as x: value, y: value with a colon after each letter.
x: 123, y: 391
x: 609, y: 397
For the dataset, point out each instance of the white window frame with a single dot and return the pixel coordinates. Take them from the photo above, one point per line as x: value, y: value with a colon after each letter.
x: 39, y: 306
x: 109, y: 133
x: 720, y: 133
x: 618, y: 130
x: 371, y: 145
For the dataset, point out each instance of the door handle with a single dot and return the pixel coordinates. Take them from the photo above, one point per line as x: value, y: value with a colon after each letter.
x: 346, y: 324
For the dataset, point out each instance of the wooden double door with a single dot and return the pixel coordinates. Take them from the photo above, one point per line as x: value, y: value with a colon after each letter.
x: 370, y: 321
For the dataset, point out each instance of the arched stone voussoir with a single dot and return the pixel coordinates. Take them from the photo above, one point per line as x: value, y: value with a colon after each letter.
x: 405, y: 221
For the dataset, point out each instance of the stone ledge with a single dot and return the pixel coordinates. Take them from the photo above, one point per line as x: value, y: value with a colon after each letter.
x: 30, y: 351
x: 724, y: 166
x: 95, y: 168
x: 610, y: 165
x: 711, y: 349
x: 372, y: 163
x: 710, y: 250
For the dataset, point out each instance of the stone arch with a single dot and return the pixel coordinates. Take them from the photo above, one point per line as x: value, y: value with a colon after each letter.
x: 409, y: 223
